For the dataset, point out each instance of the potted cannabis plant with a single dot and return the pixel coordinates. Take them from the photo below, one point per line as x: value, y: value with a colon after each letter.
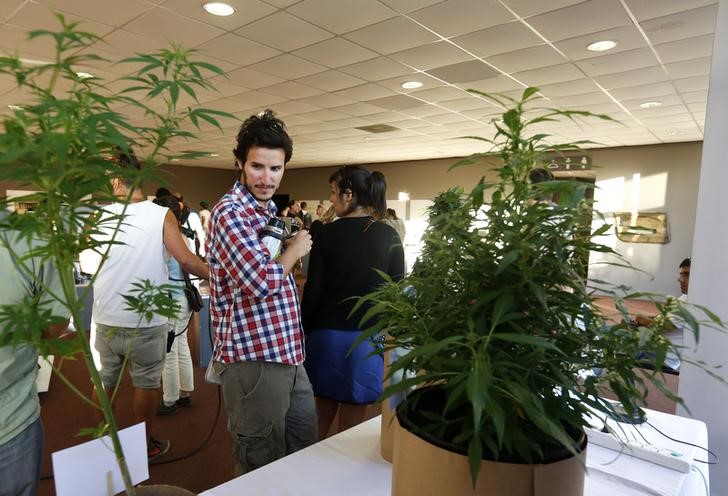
x: 60, y: 141
x: 499, y: 326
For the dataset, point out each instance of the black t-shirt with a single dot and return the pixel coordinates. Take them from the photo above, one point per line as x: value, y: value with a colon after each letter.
x: 344, y: 256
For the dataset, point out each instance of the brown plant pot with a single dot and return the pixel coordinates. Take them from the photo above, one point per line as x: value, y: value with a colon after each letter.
x: 421, y: 468
x: 162, y: 490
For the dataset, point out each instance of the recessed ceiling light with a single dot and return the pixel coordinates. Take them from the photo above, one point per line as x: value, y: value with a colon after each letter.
x: 174, y: 160
x: 84, y: 75
x: 674, y: 133
x: 650, y: 104
x: 15, y: 107
x: 219, y: 9
x: 214, y: 155
x: 411, y: 85
x: 600, y: 46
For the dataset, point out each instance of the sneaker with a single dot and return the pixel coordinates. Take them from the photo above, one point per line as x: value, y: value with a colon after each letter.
x: 185, y: 401
x: 166, y: 410
x: 156, y: 448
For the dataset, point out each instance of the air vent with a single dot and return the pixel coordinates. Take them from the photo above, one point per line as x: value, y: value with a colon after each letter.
x: 378, y: 128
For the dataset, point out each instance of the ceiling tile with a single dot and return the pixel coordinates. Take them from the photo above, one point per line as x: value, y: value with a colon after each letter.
x: 580, y: 19
x: 619, y: 62
x: 526, y: 59
x: 654, y: 74
x: 376, y: 69
x: 335, y: 52
x: 35, y: 16
x: 463, y: 72
x: 288, y: 66
x: 652, y: 91
x: 493, y: 85
x: 391, y: 36
x: 238, y: 50
x: 365, y: 92
x: 285, y: 109
x: 342, y: 16
x: 688, y: 24
x: 549, y: 75
x: 327, y: 101
x: 627, y: 38
x: 396, y: 102
x: 687, y: 68
x: 432, y: 55
x: 694, y: 96
x: 282, y: 4
x: 252, y: 79
x: 694, y: 83
x: 566, y: 88
x: 284, y: 32
x: 166, y: 26
x: 100, y: 10
x: 441, y: 94
x: 470, y: 103
x: 649, y: 9
x: 358, y: 109
x: 446, y: 118
x: 325, y: 115
x: 700, y: 46
x: 527, y: 8
x: 15, y: 40
x: 331, y: 81
x: 456, y: 17
x: 666, y: 100
x: 250, y: 99
x: 406, y: 6
x: 498, y: 39
x: 246, y: 11
x: 291, y: 89
x: 395, y: 84
x: 422, y: 111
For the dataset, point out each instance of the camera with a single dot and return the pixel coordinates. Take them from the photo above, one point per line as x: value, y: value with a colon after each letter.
x: 187, y: 232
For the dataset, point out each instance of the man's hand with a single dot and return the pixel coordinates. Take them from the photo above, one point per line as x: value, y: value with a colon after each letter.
x: 296, y: 247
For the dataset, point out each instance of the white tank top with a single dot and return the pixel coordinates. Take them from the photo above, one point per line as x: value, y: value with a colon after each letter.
x: 141, y: 256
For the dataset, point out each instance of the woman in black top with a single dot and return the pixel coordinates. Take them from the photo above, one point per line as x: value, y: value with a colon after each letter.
x: 344, y: 257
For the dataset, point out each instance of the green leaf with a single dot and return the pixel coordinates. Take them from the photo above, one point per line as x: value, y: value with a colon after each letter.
x: 527, y: 339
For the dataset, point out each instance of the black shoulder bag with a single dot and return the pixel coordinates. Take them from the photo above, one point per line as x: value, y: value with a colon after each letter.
x: 193, y: 295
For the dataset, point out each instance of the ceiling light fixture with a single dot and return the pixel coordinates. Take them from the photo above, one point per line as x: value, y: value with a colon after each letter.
x: 651, y: 104
x: 219, y: 9
x: 15, y: 107
x: 84, y: 75
x: 411, y: 85
x: 601, y: 46
x: 214, y: 155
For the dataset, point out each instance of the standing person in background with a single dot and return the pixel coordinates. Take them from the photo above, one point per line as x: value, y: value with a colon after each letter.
x: 320, y: 209
x: 177, y: 376
x: 21, y: 429
x: 343, y: 262
x: 139, y: 253
x: 204, y: 215
x: 305, y: 216
x: 397, y: 224
x: 191, y: 220
x: 259, y: 346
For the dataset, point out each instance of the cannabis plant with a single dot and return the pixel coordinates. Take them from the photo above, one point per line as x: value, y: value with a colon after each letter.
x: 498, y: 315
x: 61, y: 141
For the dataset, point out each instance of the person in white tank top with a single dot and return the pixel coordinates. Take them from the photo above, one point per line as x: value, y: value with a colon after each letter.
x: 148, y: 233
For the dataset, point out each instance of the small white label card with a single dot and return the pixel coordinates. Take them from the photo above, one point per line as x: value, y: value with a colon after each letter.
x: 90, y: 469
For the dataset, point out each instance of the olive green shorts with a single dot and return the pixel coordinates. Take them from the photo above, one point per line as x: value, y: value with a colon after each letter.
x: 145, y: 349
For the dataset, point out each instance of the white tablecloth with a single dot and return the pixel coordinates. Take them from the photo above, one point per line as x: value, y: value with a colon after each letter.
x: 349, y: 464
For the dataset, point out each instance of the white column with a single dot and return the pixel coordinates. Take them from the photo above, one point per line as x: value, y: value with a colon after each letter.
x: 707, y: 398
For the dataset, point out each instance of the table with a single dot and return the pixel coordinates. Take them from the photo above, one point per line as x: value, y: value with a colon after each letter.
x: 349, y: 464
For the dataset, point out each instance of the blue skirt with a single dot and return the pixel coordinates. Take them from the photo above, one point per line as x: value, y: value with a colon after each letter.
x: 338, y: 375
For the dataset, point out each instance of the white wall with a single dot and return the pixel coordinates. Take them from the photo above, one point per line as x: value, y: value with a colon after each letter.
x: 706, y: 397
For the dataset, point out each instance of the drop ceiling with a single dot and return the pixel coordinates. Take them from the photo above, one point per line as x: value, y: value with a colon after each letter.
x: 332, y: 67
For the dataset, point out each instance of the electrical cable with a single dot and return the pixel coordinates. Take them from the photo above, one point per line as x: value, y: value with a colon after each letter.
x: 212, y: 428
x: 708, y: 462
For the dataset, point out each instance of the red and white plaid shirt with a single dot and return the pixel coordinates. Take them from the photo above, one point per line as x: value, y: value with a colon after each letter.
x: 254, y: 309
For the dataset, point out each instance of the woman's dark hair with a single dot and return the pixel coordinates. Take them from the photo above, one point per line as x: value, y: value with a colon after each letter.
x: 264, y: 130
x: 368, y: 189
x: 685, y: 263
x: 392, y: 213
x: 171, y: 203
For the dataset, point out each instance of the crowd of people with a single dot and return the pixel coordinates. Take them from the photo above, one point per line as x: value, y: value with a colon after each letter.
x: 283, y: 362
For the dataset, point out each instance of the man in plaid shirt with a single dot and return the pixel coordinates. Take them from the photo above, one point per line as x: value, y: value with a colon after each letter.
x: 258, y: 348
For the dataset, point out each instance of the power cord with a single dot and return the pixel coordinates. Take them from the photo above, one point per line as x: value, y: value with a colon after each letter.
x: 708, y: 462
